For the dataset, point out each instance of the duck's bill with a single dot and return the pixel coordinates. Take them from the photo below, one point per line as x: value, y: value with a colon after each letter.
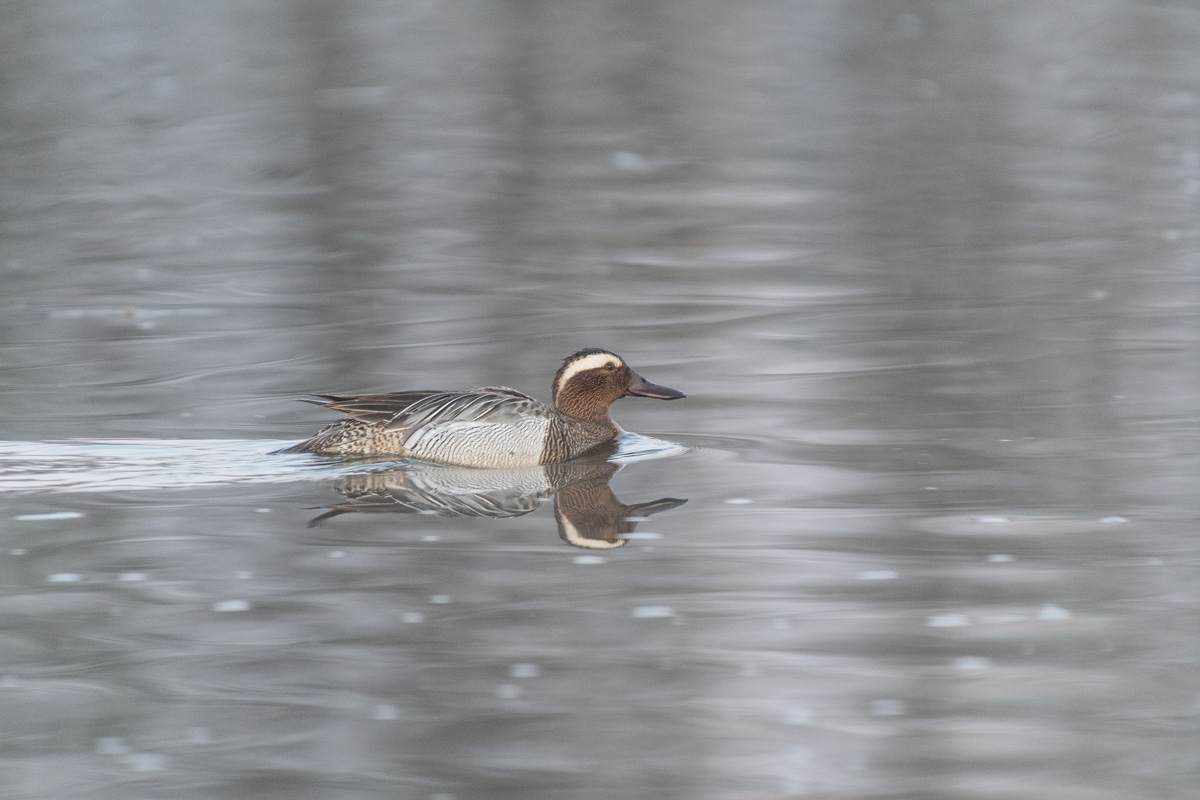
x: 644, y: 388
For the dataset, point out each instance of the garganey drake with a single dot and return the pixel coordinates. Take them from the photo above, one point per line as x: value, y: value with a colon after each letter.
x: 489, y: 426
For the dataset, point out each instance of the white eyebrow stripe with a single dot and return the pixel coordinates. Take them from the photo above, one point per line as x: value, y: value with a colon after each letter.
x: 591, y: 361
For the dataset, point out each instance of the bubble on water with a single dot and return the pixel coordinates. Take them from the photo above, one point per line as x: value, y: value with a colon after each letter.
x: 652, y: 612
x: 738, y: 501
x: 64, y: 577
x: 231, y: 605
x: 947, y: 621
x: 878, y: 575
x: 1051, y: 612
x: 384, y: 712
x: 992, y: 519
x: 146, y: 762
x: 588, y: 560
x: 888, y: 708
x: 627, y: 162
x: 971, y: 663
x: 1113, y: 520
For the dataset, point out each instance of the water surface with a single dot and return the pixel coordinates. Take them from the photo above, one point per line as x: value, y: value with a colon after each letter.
x: 927, y: 274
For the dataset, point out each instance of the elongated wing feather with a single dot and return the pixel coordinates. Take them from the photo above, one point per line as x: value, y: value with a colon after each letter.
x: 408, y: 410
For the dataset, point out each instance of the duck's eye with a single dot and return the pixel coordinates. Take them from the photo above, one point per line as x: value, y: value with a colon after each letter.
x: 610, y: 366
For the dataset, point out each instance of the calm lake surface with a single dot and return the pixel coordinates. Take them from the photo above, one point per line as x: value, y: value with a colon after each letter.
x: 929, y: 275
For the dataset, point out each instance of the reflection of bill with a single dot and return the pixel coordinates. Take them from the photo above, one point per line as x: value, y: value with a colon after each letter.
x: 588, y: 513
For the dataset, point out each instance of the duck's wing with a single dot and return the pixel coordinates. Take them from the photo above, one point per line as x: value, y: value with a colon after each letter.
x: 407, y: 410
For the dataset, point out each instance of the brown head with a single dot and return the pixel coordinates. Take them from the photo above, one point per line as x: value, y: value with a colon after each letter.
x: 590, y: 380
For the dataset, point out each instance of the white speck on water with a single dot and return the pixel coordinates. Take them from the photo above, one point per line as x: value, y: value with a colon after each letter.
x: 245, y: 575
x: 440, y: 599
x: 931, y: 488
x: 653, y: 612
x: 878, y: 575
x: 507, y: 691
x: 231, y: 605
x: 780, y: 624
x: 1054, y: 613
x: 262, y: 510
x: 51, y: 515
x: 588, y: 560
x: 337, y: 553
x: 738, y: 501
x: 1113, y: 520
x: 1000, y: 558
x: 431, y: 537
x: 971, y: 663
x: 888, y: 708
x: 798, y: 716
x: 992, y: 519
x: 429, y: 512
x: 627, y: 162
x: 111, y: 746
x: 146, y: 762
x: 384, y: 712
x: 412, y: 617
x: 642, y: 535
x: 18, y: 551
x: 524, y: 671
x: 132, y: 577
x: 200, y: 736
x: 947, y: 621
x: 64, y: 577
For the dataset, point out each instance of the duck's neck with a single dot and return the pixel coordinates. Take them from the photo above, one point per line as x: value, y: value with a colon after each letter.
x: 588, y: 412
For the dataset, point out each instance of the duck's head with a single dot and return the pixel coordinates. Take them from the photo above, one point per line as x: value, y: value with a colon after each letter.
x: 590, y: 380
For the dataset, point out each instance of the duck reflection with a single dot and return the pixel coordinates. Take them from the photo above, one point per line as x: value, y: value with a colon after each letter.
x: 588, y: 513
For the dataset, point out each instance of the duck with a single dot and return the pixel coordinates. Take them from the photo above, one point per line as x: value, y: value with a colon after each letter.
x: 490, y: 426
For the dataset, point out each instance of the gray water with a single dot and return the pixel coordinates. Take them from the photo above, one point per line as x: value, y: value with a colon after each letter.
x: 928, y: 273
